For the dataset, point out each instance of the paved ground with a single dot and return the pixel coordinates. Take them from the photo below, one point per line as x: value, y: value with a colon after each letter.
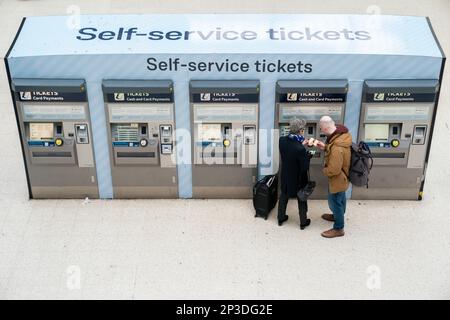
x: 210, y: 249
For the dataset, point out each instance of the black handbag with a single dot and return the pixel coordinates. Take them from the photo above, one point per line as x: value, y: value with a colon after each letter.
x: 304, y: 193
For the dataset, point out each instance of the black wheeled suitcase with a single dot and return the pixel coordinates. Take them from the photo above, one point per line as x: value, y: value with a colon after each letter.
x: 265, y: 195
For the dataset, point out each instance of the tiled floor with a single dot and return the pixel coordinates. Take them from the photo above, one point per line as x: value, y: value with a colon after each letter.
x: 209, y: 249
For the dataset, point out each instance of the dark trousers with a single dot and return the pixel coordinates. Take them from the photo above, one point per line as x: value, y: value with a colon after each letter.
x: 302, y: 208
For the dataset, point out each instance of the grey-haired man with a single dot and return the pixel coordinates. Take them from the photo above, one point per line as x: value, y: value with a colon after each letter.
x: 294, y: 171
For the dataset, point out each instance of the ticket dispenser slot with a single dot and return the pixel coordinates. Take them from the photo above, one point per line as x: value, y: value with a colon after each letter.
x: 224, y: 120
x: 141, y: 129
x: 249, y: 135
x: 166, y: 139
x: 54, y: 125
x: 81, y: 132
x: 395, y: 115
x: 419, y: 134
x: 310, y: 100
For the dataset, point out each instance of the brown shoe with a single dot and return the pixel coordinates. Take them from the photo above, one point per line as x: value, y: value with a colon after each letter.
x: 333, y: 233
x: 328, y: 217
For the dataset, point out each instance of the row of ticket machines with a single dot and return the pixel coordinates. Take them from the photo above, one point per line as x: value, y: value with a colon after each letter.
x: 56, y: 132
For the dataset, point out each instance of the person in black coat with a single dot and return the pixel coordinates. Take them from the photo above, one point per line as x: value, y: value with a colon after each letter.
x: 294, y: 171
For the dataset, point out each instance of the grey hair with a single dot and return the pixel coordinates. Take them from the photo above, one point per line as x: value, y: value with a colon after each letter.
x: 327, y: 121
x: 296, y: 125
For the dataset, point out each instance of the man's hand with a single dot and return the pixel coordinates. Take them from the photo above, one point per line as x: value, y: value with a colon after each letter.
x: 320, y: 145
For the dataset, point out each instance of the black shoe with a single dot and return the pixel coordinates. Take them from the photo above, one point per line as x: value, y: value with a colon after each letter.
x: 303, y: 226
x: 280, y: 222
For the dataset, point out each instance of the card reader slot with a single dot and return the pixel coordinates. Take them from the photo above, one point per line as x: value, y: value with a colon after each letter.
x: 136, y: 154
x: 388, y: 155
x: 46, y: 154
x: 218, y: 154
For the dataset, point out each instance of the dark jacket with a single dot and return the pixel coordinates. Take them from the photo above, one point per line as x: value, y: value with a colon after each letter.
x: 294, y: 166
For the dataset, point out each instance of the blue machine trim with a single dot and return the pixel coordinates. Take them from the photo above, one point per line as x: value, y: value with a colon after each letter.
x: 125, y: 144
x: 41, y: 143
x: 386, y: 144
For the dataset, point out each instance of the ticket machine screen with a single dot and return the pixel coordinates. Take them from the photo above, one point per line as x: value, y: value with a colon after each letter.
x: 210, y: 132
x: 41, y: 131
x: 128, y: 132
x: 376, y: 132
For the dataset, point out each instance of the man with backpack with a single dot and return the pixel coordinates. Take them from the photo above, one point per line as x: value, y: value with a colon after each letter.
x: 337, y: 168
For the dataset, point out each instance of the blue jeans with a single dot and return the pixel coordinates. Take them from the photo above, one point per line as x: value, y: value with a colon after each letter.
x: 337, y: 203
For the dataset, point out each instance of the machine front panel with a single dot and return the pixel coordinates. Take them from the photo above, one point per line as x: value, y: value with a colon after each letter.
x: 395, y: 123
x: 310, y: 100
x: 142, y: 138
x: 56, y: 134
x: 224, y: 138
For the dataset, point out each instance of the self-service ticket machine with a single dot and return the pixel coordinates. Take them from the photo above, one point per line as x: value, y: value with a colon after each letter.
x: 141, y: 130
x: 310, y: 100
x: 224, y: 122
x: 55, y: 127
x: 395, y: 122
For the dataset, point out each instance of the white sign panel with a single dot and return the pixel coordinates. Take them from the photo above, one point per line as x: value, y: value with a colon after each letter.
x: 224, y: 113
x: 310, y: 113
x: 376, y: 113
x: 53, y: 112
x: 140, y: 113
